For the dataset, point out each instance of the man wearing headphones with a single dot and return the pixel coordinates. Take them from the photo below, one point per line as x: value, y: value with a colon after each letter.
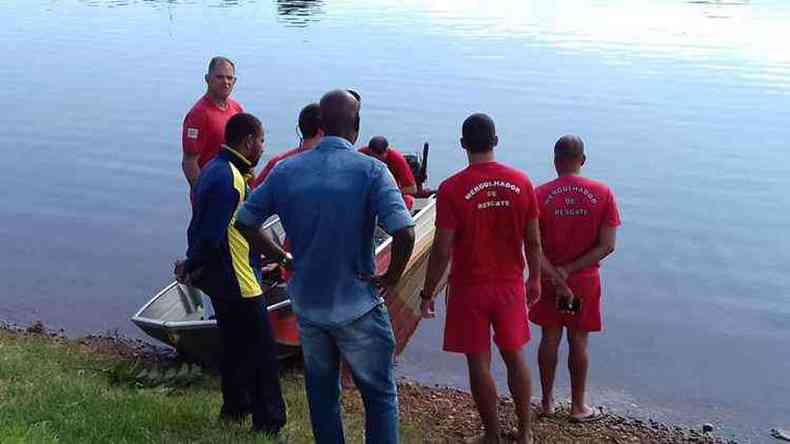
x: 310, y: 127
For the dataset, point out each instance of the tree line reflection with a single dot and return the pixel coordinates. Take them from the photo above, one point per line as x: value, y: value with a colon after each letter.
x: 296, y: 13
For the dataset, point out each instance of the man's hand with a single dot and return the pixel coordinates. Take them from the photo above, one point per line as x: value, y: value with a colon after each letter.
x: 277, y: 269
x: 427, y: 309
x: 189, y: 164
x: 287, y: 262
x: 562, y: 272
x: 533, y: 292
x: 565, y: 300
x: 380, y: 281
x: 181, y: 275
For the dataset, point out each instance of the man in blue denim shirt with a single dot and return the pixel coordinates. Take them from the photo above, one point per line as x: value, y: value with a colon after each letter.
x: 329, y: 200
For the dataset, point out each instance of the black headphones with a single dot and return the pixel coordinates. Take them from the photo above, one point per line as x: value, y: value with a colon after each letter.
x: 359, y: 99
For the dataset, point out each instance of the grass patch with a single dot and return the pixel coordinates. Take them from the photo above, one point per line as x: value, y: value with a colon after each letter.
x: 53, y: 391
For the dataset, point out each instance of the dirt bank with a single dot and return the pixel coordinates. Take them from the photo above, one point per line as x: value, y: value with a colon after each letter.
x: 445, y: 414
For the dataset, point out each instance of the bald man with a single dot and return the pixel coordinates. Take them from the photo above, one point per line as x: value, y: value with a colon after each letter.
x: 379, y: 147
x: 330, y: 214
x: 578, y: 223
x: 486, y: 219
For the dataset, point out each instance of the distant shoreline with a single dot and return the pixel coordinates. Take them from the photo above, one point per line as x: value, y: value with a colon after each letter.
x: 441, y: 414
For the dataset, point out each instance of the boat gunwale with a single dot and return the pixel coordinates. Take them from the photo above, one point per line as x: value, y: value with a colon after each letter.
x: 431, y: 203
x: 140, y: 320
x: 138, y: 317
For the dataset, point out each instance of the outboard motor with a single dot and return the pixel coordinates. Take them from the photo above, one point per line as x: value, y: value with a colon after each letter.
x: 414, y: 164
x: 419, y: 168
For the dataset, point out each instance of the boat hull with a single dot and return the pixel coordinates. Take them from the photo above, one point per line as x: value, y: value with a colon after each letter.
x: 181, y: 316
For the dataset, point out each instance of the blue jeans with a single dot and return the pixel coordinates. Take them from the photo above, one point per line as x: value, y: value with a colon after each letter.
x: 367, y: 344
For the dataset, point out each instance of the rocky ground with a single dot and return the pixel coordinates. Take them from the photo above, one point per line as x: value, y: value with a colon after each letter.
x: 447, y: 415
x: 451, y: 417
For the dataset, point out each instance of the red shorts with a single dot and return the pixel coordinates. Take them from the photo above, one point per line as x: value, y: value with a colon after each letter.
x: 473, y: 310
x: 587, y: 287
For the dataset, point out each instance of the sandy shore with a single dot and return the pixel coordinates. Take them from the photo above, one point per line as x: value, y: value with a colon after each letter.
x: 446, y: 414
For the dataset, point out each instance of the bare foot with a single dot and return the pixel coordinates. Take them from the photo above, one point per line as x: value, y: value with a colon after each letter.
x: 588, y: 414
x: 586, y: 410
x: 546, y: 408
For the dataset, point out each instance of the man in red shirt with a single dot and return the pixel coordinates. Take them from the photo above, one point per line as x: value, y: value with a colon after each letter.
x: 204, y: 126
x: 578, y: 222
x: 310, y: 127
x: 379, y: 148
x: 486, y: 218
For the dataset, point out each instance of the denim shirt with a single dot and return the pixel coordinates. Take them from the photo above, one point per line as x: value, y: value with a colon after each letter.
x: 328, y: 200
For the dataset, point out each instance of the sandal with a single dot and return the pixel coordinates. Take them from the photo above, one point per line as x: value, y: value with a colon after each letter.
x: 597, y: 413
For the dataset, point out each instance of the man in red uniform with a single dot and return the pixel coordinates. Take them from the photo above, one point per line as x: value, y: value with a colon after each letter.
x: 204, y: 126
x: 578, y: 221
x: 379, y: 148
x: 310, y: 127
x: 486, y: 218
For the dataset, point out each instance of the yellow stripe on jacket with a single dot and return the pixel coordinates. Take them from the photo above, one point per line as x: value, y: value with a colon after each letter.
x: 239, y: 248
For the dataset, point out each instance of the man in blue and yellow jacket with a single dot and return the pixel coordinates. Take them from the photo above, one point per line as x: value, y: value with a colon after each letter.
x: 222, y: 263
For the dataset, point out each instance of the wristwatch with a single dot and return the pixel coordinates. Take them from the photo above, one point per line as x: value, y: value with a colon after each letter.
x: 286, y: 259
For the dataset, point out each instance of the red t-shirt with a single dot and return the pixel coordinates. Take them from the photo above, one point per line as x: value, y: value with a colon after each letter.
x: 204, y: 128
x: 572, y: 210
x: 397, y: 165
x: 274, y: 161
x: 488, y: 206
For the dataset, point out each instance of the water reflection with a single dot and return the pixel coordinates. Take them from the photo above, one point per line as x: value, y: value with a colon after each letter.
x: 718, y: 2
x: 672, y: 96
x: 158, y: 3
x: 106, y: 3
x: 694, y: 30
x: 299, y: 13
x: 229, y: 3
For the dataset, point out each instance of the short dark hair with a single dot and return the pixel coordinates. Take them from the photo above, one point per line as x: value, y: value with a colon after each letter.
x: 569, y: 146
x: 217, y: 60
x: 240, y: 126
x: 310, y: 120
x: 479, y: 133
x: 378, y: 145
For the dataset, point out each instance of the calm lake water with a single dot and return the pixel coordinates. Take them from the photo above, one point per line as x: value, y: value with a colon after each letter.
x: 684, y: 107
